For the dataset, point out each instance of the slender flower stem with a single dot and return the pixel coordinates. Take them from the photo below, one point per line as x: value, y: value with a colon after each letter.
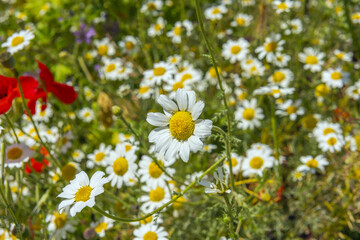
x: 8, y: 207
x: 212, y: 167
x: 12, y: 127
x: 276, y: 143
x: 228, y: 142
x: 230, y: 214
x: 32, y: 120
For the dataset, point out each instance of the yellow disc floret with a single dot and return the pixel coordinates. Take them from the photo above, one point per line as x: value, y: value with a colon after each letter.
x: 157, y: 195
x: 256, y: 162
x: 249, y: 114
x: 14, y: 153
x: 120, y: 166
x: 83, y: 194
x: 16, y: 41
x: 154, y: 170
x: 181, y: 125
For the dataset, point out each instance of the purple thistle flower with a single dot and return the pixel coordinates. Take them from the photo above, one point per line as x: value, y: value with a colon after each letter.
x: 84, y: 34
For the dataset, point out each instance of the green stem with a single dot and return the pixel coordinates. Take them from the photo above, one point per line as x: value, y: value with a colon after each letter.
x: 163, y: 206
x: 230, y: 214
x: 228, y: 142
x: 32, y: 120
x: 276, y: 143
x: 12, y: 127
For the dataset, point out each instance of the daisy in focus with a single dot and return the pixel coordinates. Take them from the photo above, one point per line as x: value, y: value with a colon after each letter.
x: 235, y: 51
x: 249, y: 115
x: 81, y: 192
x: 256, y: 161
x: 155, y: 198
x: 179, y: 129
x: 18, y: 41
x: 313, y: 59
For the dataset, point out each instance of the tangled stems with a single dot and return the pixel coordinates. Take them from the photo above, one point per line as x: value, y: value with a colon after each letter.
x: 163, y: 206
x: 32, y: 120
x: 228, y: 142
x: 12, y: 127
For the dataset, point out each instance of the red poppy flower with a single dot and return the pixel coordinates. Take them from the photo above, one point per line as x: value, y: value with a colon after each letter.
x: 32, y: 92
x: 65, y: 93
x: 37, y: 166
x: 8, y: 91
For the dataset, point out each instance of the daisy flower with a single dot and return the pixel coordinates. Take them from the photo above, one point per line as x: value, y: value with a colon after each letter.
x: 156, y: 197
x: 249, y: 115
x: 150, y: 232
x: 331, y: 142
x: 42, y: 114
x: 77, y: 155
x: 179, y: 129
x: 235, y: 50
x: 281, y: 60
x: 209, y: 147
x: 128, y: 44
x: 101, y: 226
x: 261, y: 147
x: 86, y: 114
x: 99, y: 156
x: 18, y: 41
x: 175, y: 59
x: 81, y: 192
x: 248, y: 3
x: 175, y: 33
x: 144, y: 91
x: 291, y: 109
x: 124, y: 70
x: 293, y: 27
x: 162, y: 72
x: 69, y: 170
x: 105, y: 47
x: 252, y: 67
x: 236, y: 163
x: 16, y: 154
x: 88, y: 93
x: 355, y: 17
x: 152, y: 6
x: 221, y: 183
x: 151, y: 174
x: 58, y: 224
x: 211, y: 75
x: 281, y: 77
x: 242, y: 20
x: 272, y: 45
x: 310, y: 164
x: 346, y: 57
x: 215, y: 13
x: 354, y: 91
x: 313, y: 59
x: 110, y: 68
x: 282, y: 6
x: 333, y: 78
x: 256, y: 161
x: 322, y: 129
x: 274, y: 91
x: 121, y: 167
x: 157, y: 28
x: 173, y: 85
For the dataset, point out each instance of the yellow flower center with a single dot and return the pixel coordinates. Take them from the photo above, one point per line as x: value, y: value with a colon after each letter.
x: 256, y: 162
x: 240, y: 21
x: 120, y: 166
x: 311, y: 60
x: 150, y: 236
x: 216, y: 11
x: 147, y: 220
x: 309, y: 122
x: 151, y: 6
x: 235, y: 49
x: 157, y: 27
x: 143, y: 90
x: 177, y: 31
x: 14, y: 153
x: 340, y: 55
x: 242, y: 96
x: 157, y: 195
x: 60, y: 220
x: 83, y: 194
x: 276, y: 91
x: 248, y: 114
x: 129, y: 45
x: 178, y: 203
x: 322, y: 90
x: 332, y: 141
x: 282, y: 6
x: 328, y: 130
x: 291, y: 109
x: 16, y: 41
x: 101, y: 227
x: 159, y: 71
x: 102, y: 50
x: 185, y: 77
x: 278, y: 77
x: 99, y: 156
x: 178, y: 85
x: 312, y: 163
x: 68, y: 172
x: 212, y: 72
x: 271, y: 47
x: 111, y: 67
x: 128, y: 147
x: 181, y: 125
x: 336, y: 76
x: 154, y: 170
x: 233, y: 162
x: 298, y: 175
x: 42, y: 114
x: 355, y: 16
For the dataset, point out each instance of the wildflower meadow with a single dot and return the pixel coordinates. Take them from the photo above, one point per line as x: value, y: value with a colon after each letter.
x: 180, y: 119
